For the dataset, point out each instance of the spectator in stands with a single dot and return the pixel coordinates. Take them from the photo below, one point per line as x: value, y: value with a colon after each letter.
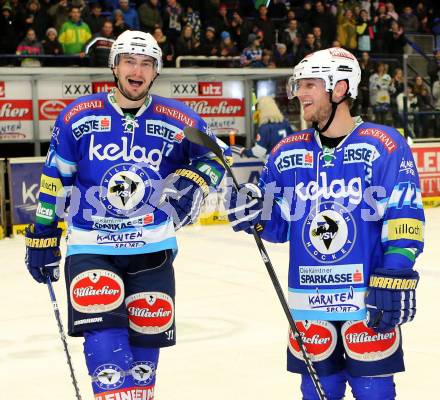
x: 391, y: 12
x: 35, y: 18
x: 267, y: 59
x: 362, y: 101
x: 59, y: 13
x: 172, y: 20
x: 380, y: 91
x: 289, y: 34
x: 209, y: 46
x: 424, y: 100
x: 51, y: 45
x: 277, y: 9
x: 240, y: 29
x: 74, y: 34
x: 32, y: 47
x: 305, y: 15
x: 408, y: 20
x: 227, y: 46
x: 252, y: 55
x: 149, y: 15
x: 192, y: 17
x: 119, y: 24
x: 336, y: 43
x: 220, y: 21
x: 309, y: 45
x: 186, y: 44
x: 166, y: 47
x: 8, y: 31
x: 281, y: 57
x: 381, y: 25
x: 420, y: 86
x: 412, y: 106
x: 320, y: 42
x: 98, y: 48
x: 325, y: 20
x: 434, y: 66
x: 395, y: 39
x: 94, y: 19
x: 131, y: 16
x: 347, y: 30
x: 398, y: 86
x: 364, y: 31
x: 263, y: 23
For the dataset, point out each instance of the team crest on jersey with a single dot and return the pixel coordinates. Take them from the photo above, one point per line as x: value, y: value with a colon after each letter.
x: 125, y: 188
x: 129, y: 124
x: 150, y: 312
x: 143, y: 372
x: 108, y: 376
x: 328, y: 156
x: 329, y: 232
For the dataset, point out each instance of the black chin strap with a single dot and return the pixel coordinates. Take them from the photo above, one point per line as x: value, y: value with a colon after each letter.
x: 332, y: 114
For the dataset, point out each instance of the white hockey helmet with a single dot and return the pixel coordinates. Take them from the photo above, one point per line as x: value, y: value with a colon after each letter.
x: 331, y: 65
x: 135, y: 42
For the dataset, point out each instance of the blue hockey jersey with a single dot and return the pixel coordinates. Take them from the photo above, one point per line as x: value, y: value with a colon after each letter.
x: 111, y: 167
x: 345, y: 212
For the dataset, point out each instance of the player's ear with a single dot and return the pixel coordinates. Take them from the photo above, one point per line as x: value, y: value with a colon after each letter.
x: 340, y: 90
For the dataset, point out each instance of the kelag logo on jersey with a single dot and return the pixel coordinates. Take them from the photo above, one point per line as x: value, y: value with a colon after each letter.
x: 91, y: 123
x: 297, y: 158
x: 329, y: 232
x: 163, y: 130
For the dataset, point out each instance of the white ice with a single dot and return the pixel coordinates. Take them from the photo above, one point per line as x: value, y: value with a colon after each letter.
x: 231, y: 330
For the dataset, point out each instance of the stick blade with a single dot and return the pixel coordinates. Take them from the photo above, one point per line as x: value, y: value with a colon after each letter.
x: 202, y: 139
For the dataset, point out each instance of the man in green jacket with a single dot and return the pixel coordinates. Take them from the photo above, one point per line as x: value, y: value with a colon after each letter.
x: 74, y: 33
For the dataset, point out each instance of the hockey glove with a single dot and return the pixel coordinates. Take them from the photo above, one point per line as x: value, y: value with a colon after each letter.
x: 43, y: 253
x: 245, y: 207
x: 391, y: 298
x: 185, y: 191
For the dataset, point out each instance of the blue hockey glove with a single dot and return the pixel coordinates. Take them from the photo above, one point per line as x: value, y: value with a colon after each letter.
x: 185, y: 191
x: 391, y: 298
x: 245, y: 207
x: 43, y: 253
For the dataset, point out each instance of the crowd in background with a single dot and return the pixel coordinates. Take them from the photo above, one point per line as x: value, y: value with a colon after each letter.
x: 264, y: 37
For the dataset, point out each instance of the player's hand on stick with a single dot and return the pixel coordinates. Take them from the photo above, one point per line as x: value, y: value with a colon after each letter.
x: 244, y: 207
x: 391, y: 298
x: 43, y: 253
x: 185, y: 191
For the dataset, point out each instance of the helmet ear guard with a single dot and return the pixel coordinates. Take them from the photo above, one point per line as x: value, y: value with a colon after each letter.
x: 135, y: 42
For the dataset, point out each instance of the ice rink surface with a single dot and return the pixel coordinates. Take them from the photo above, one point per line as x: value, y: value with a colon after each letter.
x: 231, y: 331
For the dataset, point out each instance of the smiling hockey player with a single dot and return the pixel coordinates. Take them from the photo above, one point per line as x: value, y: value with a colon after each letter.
x: 113, y: 150
x: 345, y: 195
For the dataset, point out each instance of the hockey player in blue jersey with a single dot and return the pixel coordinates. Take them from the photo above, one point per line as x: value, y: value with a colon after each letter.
x: 133, y: 179
x: 345, y: 195
x: 272, y: 127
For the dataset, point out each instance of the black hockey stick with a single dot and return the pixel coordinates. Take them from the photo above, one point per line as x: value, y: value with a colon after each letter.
x: 202, y: 139
x: 62, y: 336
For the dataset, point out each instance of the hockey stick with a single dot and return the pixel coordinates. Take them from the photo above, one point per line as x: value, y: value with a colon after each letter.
x: 202, y: 139
x: 62, y: 336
